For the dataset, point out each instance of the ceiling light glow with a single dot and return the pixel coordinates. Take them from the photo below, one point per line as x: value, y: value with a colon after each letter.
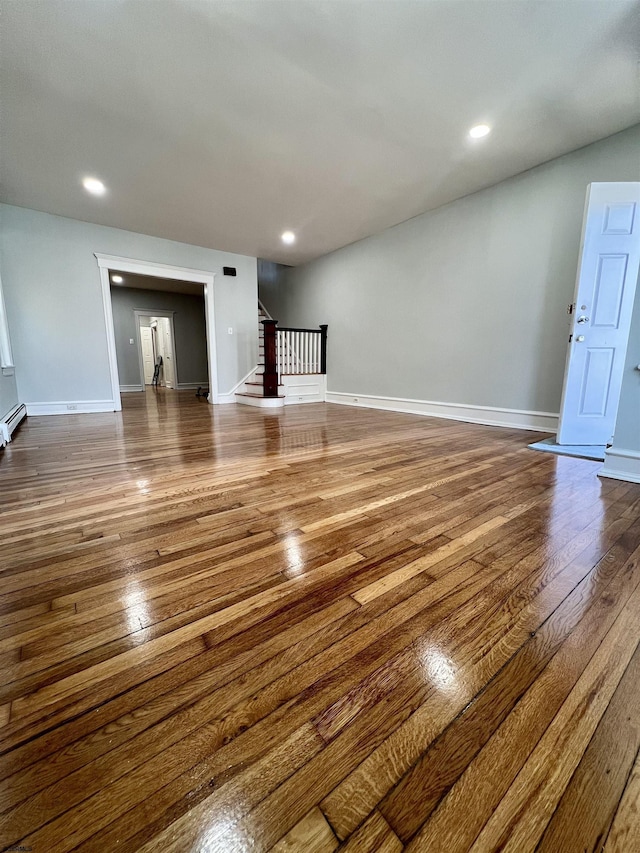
x: 288, y: 237
x: 117, y: 279
x: 479, y: 131
x: 94, y: 186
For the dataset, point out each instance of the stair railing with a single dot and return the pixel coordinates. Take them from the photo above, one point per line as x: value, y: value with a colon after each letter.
x: 270, y: 376
x: 292, y: 351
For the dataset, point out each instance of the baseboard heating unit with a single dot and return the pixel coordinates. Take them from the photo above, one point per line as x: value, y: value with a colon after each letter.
x: 10, y: 421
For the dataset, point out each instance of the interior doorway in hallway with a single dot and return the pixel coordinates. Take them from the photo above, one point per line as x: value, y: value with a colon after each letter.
x: 156, y: 349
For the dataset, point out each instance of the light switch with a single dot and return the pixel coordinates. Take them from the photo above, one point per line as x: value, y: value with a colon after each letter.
x: 130, y: 340
x: 230, y: 330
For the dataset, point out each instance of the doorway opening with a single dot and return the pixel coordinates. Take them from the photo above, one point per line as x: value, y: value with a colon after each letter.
x: 188, y: 341
x: 156, y: 349
x: 160, y: 332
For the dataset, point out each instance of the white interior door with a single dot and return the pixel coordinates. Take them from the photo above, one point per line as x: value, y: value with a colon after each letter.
x: 168, y: 368
x: 601, y: 318
x: 148, y: 358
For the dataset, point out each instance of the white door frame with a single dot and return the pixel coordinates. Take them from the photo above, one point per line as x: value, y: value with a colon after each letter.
x: 113, y: 263
x: 155, y: 312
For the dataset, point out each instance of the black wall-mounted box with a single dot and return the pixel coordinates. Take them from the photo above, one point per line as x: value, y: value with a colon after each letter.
x: 229, y: 270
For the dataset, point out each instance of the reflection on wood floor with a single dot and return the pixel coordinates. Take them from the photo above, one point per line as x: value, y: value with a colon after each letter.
x: 229, y: 629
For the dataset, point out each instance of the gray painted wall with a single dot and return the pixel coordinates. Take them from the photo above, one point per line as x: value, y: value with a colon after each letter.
x: 188, y: 323
x: 271, y: 277
x: 467, y: 303
x: 54, y: 304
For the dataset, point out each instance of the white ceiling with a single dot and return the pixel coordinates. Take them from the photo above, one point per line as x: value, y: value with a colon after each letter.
x: 223, y: 123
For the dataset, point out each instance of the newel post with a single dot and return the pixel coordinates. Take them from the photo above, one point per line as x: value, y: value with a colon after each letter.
x: 323, y: 348
x: 270, y: 378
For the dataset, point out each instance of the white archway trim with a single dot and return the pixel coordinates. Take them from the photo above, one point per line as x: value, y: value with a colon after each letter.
x: 112, y: 263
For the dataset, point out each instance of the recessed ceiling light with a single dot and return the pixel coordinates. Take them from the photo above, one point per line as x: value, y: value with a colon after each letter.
x: 479, y: 131
x: 117, y: 279
x: 94, y: 186
x: 288, y: 237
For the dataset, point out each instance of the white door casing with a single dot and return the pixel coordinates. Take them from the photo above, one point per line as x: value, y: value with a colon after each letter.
x: 158, y: 318
x: 148, y: 358
x: 602, y: 307
x: 113, y: 263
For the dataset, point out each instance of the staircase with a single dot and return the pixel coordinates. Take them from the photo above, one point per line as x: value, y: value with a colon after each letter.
x: 252, y: 394
x: 291, y: 366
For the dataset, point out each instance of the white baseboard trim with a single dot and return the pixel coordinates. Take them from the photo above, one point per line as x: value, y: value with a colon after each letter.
x: 621, y: 464
x: 190, y: 386
x: 487, y: 415
x: 126, y: 389
x: 71, y: 407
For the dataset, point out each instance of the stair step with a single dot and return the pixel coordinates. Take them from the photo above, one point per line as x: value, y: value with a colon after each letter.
x: 260, y: 385
x: 258, y: 396
x: 260, y: 402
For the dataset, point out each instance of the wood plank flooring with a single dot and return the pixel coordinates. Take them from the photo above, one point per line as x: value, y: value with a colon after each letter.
x: 322, y: 628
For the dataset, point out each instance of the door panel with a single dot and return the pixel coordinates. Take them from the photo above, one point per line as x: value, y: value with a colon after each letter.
x: 601, y: 319
x: 167, y: 352
x: 148, y: 359
x: 596, y: 381
x: 619, y: 218
x: 609, y: 290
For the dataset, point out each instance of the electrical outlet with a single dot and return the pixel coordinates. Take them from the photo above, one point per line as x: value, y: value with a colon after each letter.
x: 71, y: 407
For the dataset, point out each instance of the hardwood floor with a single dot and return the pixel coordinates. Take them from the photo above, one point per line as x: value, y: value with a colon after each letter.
x: 229, y: 629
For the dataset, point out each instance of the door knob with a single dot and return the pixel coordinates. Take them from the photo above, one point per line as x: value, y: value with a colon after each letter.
x: 579, y: 339
x: 582, y: 319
